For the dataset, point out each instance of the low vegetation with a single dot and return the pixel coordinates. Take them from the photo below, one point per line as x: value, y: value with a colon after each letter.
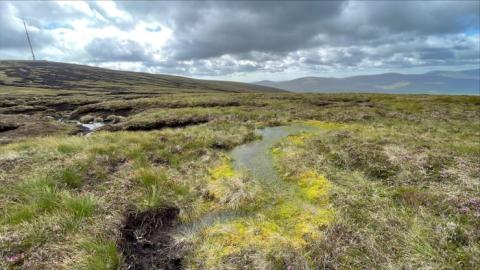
x: 380, y: 181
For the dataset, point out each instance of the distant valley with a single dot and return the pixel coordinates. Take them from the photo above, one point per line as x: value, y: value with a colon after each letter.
x: 434, y: 82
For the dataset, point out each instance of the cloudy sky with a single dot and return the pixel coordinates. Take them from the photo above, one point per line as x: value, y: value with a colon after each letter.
x: 248, y: 41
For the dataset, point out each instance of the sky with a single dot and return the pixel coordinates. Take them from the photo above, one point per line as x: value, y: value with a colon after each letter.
x: 248, y: 41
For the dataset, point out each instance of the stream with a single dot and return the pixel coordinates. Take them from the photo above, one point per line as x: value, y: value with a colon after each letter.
x: 89, y: 127
x: 256, y: 159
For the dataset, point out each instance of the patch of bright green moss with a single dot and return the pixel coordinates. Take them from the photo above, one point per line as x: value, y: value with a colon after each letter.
x: 299, y: 139
x: 315, y: 187
x: 290, y: 225
x: 222, y: 171
x: 323, y: 125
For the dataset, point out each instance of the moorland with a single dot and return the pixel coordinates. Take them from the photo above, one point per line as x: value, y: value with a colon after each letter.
x: 371, y: 181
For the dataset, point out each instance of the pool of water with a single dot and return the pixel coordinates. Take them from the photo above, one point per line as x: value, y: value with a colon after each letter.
x: 256, y: 157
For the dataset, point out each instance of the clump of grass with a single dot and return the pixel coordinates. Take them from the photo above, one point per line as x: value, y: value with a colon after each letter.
x: 231, y: 189
x: 80, y: 206
x: 368, y: 210
x: 71, y: 177
x: 369, y: 158
x: 159, y: 190
x: 99, y: 254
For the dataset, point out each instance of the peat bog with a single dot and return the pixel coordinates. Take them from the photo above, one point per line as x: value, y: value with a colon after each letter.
x: 375, y: 181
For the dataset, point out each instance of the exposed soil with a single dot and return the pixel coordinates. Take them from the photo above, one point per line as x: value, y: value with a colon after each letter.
x: 8, y: 126
x: 169, y: 123
x: 64, y: 106
x: 146, y: 240
x: 321, y: 103
x: 18, y: 126
x: 100, y: 112
x: 23, y: 109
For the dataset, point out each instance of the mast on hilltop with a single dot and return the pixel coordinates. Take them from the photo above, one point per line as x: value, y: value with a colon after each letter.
x: 28, y: 38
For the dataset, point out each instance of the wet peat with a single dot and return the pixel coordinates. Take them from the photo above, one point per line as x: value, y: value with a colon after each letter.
x: 8, y: 126
x: 146, y: 240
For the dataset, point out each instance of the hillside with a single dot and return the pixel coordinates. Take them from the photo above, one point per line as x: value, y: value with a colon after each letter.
x: 435, y: 82
x: 55, y: 75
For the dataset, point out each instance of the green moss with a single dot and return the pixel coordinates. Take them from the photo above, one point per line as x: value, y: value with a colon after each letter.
x: 224, y: 170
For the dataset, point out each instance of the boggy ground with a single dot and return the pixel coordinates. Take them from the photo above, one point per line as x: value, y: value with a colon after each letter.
x: 387, y: 182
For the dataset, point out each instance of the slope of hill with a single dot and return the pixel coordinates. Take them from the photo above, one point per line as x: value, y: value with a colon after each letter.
x: 55, y: 75
x: 435, y: 82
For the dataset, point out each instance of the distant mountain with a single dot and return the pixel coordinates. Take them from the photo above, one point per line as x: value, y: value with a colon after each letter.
x: 434, y: 82
x: 56, y: 75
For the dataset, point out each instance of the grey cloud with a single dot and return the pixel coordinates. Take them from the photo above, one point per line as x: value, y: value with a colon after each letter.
x: 423, y: 17
x: 112, y: 49
x: 42, y: 14
x: 213, y: 38
x: 436, y: 54
x: 12, y: 33
x: 210, y: 29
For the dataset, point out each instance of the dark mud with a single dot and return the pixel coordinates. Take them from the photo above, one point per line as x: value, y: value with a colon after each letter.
x: 171, y: 123
x: 321, y: 103
x: 146, y: 240
x: 8, y: 126
x: 103, y: 112
x: 23, y: 109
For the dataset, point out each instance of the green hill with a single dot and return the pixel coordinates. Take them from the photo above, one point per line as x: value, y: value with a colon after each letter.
x: 55, y: 75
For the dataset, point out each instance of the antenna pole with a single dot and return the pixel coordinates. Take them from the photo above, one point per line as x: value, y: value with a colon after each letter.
x: 28, y: 38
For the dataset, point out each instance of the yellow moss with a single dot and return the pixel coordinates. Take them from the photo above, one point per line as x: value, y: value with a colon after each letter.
x: 299, y: 140
x: 323, y: 125
x: 276, y: 151
x: 290, y: 225
x: 314, y: 186
x: 224, y: 170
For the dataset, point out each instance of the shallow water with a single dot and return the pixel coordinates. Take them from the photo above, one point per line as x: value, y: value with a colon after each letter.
x: 93, y: 126
x: 256, y: 160
x: 90, y: 127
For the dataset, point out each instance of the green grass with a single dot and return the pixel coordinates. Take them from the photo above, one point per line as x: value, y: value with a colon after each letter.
x: 385, y: 183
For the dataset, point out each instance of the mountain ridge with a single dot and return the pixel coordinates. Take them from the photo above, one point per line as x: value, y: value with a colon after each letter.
x: 433, y: 82
x: 65, y: 76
